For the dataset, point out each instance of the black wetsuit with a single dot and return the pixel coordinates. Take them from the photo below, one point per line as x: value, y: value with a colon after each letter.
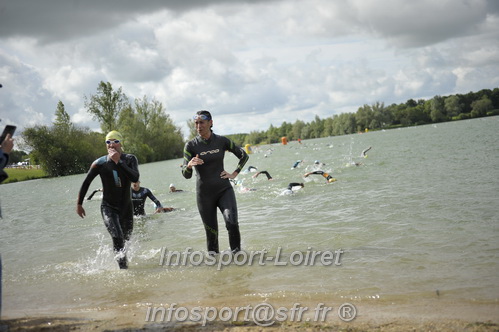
x: 266, y: 174
x: 293, y: 184
x: 213, y: 191
x: 326, y: 175
x: 4, y: 160
x: 139, y: 199
x: 116, y: 205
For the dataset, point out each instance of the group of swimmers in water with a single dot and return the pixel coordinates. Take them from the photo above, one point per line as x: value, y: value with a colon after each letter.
x: 294, y: 186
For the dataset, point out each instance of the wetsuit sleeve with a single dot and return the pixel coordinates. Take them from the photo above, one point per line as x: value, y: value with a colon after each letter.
x: 153, y: 198
x: 186, y: 171
x: 239, y: 153
x: 92, y: 173
x: 130, y: 167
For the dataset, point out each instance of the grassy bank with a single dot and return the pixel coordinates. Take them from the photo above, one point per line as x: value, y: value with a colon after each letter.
x: 23, y: 174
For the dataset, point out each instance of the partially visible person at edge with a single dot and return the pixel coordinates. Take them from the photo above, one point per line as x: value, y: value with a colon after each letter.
x: 327, y: 176
x: 139, y: 196
x: 5, y: 148
x: 213, y: 188
x: 117, y: 171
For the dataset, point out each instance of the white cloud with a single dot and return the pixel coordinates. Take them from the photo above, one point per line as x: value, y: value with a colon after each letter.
x: 268, y: 61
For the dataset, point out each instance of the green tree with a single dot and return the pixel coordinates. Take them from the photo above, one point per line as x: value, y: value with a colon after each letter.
x: 149, y: 132
x: 62, y: 154
x: 192, y: 129
x: 364, y: 117
x: 106, y: 106
x: 437, y: 113
x: 62, y: 119
x: 453, y: 106
x: 297, y: 128
x: 481, y: 107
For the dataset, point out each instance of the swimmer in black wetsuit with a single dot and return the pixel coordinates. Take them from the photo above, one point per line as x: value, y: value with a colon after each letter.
x: 117, y: 171
x: 298, y: 162
x: 328, y: 177
x: 139, y: 196
x: 263, y: 172
x: 206, y: 153
x: 252, y: 169
x: 364, y: 153
x: 289, y: 189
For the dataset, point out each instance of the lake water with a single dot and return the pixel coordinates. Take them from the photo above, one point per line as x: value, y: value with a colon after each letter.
x: 417, y: 220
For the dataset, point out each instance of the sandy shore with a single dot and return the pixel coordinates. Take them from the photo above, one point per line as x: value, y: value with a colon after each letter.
x: 425, y: 316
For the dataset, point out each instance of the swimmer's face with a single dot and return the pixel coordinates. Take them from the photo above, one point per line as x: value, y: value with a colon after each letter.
x: 136, y: 186
x: 203, y: 126
x: 111, y: 144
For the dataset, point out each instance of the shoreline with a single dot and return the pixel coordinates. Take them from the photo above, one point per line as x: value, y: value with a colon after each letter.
x: 428, y: 315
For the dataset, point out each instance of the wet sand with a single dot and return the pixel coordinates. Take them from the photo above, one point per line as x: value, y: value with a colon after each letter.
x: 424, y: 316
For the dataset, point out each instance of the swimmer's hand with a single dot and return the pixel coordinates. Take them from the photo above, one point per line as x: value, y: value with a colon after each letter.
x: 80, y: 210
x: 114, y: 155
x: 227, y: 175
x: 195, y: 161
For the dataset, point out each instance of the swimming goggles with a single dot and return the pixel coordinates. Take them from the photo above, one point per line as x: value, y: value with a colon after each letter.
x: 115, y: 141
x: 201, y: 117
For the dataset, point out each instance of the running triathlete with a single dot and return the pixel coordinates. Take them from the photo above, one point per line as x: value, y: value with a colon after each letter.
x: 117, y: 171
x: 213, y: 189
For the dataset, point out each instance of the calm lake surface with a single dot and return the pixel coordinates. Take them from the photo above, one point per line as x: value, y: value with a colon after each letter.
x: 418, y: 219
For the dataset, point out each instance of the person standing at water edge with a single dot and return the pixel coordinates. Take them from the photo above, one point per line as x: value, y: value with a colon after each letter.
x: 117, y: 171
x: 213, y: 188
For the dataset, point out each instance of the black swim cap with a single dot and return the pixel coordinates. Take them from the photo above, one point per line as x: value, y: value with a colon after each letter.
x: 204, y: 112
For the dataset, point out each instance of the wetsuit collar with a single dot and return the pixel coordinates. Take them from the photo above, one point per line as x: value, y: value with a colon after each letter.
x: 208, y: 140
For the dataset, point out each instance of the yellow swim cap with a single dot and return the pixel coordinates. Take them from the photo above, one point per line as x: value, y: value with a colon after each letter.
x: 114, y: 135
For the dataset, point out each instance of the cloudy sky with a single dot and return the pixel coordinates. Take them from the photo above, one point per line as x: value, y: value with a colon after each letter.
x: 251, y: 63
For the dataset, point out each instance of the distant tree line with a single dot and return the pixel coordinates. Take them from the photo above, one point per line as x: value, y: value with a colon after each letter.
x: 378, y: 116
x: 64, y: 148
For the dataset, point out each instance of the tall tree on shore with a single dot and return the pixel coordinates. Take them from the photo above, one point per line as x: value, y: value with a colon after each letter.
x: 106, y: 106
